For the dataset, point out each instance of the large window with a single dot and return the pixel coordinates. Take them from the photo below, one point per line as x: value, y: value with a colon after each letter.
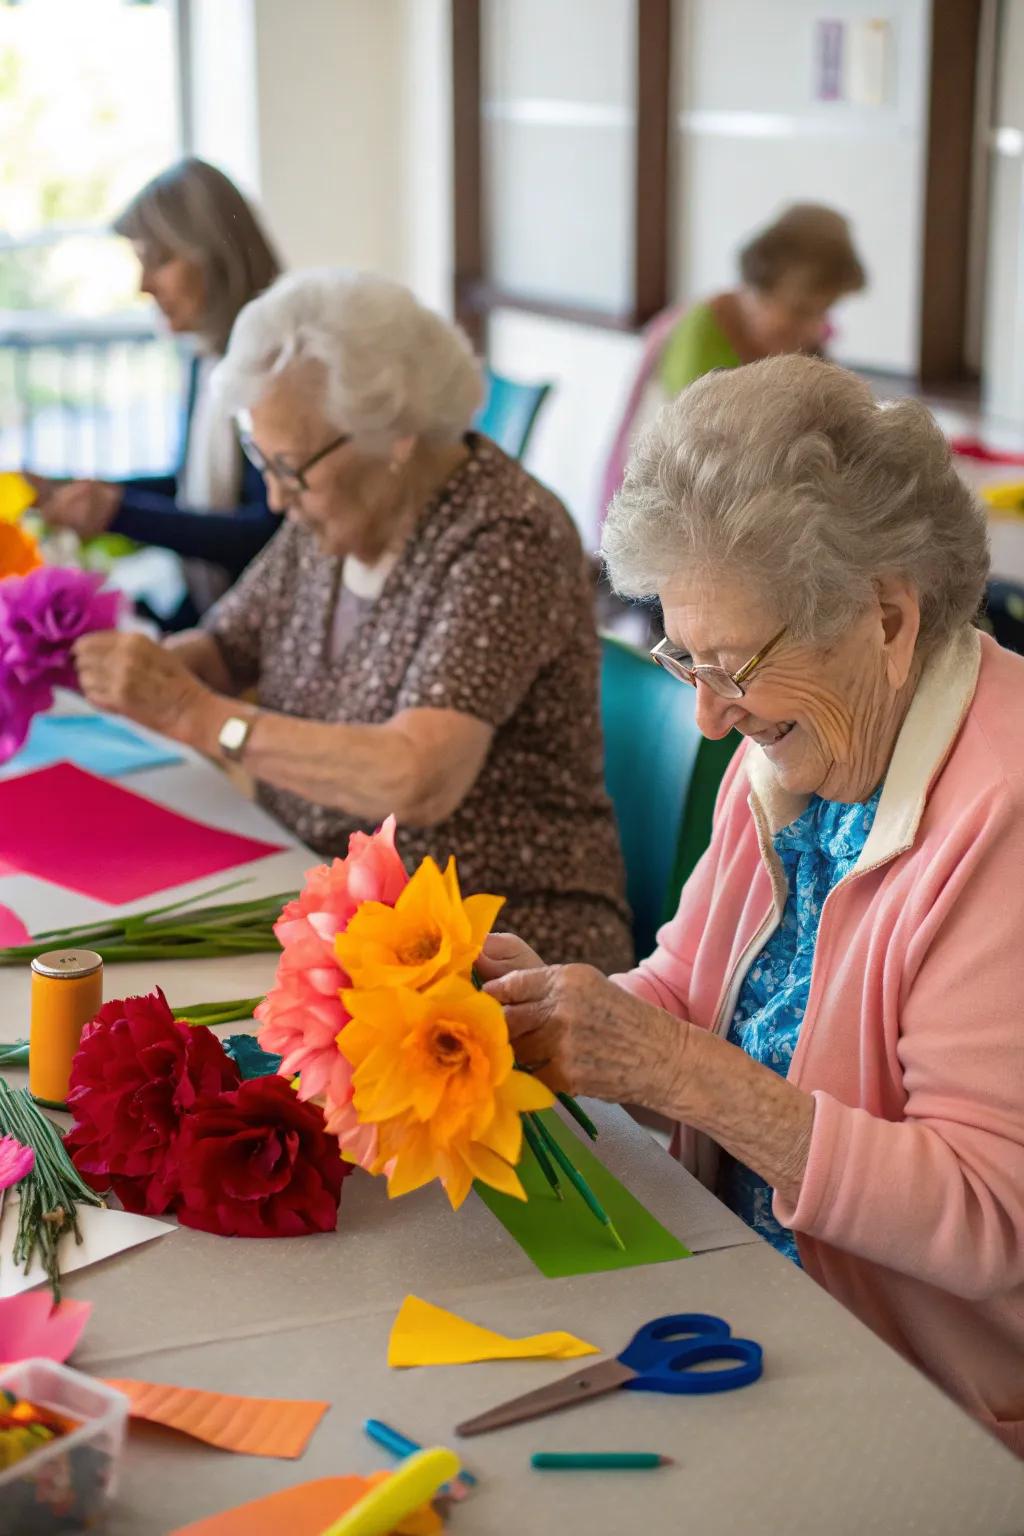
x: 89, y: 110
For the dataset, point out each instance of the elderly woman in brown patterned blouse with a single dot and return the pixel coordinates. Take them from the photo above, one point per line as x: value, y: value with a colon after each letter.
x: 419, y: 634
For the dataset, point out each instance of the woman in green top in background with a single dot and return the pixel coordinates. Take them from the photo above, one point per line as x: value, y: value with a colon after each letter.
x: 791, y: 274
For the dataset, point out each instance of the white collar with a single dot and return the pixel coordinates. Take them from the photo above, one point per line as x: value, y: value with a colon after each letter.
x: 936, y: 713
x: 367, y: 581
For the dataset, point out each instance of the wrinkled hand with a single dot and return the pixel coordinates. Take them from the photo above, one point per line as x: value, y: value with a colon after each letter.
x: 504, y: 952
x: 43, y: 485
x: 582, y: 1034
x: 129, y: 674
x: 88, y: 507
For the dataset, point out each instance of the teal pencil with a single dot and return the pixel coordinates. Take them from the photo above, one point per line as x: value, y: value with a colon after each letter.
x: 598, y: 1461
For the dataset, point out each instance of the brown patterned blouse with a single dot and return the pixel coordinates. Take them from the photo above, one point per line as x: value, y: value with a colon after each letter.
x: 488, y: 611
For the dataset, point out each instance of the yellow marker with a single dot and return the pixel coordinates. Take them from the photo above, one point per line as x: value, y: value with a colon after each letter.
x: 16, y: 496
x: 410, y: 1487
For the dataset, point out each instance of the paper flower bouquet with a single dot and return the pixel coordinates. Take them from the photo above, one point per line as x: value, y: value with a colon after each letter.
x: 43, y: 611
x: 375, y: 1009
x: 381, y: 1052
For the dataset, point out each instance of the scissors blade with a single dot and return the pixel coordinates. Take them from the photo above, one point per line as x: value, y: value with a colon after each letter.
x: 592, y: 1381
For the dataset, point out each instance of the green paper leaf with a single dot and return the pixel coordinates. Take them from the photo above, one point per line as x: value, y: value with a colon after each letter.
x: 562, y: 1237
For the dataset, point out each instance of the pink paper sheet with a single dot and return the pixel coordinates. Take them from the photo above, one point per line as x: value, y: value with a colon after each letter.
x: 12, y: 929
x: 89, y: 835
x: 31, y: 1327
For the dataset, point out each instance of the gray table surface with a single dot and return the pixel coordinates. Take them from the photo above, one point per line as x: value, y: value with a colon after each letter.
x: 840, y: 1436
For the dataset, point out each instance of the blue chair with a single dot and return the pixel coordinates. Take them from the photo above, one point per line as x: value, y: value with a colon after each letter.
x: 509, y: 413
x: 1003, y: 614
x: 663, y: 778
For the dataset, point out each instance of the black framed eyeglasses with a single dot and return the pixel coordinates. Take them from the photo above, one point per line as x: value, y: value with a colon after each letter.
x: 288, y: 476
x: 727, y: 685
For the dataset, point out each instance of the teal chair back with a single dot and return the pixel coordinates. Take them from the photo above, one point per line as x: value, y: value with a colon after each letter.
x: 663, y: 778
x: 509, y: 412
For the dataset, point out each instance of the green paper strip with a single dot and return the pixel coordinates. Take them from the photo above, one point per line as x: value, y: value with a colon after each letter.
x: 561, y: 1236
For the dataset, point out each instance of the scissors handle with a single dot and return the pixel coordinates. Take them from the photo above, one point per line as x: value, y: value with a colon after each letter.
x: 675, y: 1372
x: 662, y: 1336
x: 664, y: 1352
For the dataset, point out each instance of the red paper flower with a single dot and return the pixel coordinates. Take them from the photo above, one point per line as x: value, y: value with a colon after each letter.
x: 138, y: 1071
x: 257, y: 1162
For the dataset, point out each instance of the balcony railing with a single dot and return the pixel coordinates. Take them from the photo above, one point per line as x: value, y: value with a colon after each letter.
x: 90, y: 398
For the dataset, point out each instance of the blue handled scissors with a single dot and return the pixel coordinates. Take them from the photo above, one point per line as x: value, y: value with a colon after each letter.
x: 660, y: 1357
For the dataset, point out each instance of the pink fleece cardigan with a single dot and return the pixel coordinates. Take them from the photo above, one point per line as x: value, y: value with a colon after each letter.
x: 911, y: 1211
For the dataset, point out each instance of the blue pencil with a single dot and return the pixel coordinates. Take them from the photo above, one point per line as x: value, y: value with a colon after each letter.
x: 400, y: 1445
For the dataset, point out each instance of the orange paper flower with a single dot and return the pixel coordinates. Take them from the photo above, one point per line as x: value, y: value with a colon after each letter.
x: 19, y: 552
x: 434, y: 1071
x: 429, y: 933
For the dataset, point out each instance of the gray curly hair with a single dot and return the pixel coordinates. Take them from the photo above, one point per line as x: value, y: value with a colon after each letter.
x: 790, y: 475
x: 391, y: 367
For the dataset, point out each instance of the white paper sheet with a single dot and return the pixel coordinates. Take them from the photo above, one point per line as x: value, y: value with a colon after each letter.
x: 104, y: 1233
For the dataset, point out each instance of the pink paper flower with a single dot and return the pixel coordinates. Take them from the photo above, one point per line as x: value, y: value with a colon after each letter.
x: 15, y: 1161
x: 41, y: 616
x: 302, y: 1015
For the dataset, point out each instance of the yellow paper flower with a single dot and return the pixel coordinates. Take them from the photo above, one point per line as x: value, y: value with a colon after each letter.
x: 434, y: 1071
x: 16, y: 496
x: 430, y: 932
x: 19, y: 552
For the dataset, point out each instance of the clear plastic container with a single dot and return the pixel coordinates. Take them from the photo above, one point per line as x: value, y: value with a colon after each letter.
x: 64, y: 1487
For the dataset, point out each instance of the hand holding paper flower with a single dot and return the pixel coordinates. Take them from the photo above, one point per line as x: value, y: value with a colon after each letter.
x: 435, y: 1073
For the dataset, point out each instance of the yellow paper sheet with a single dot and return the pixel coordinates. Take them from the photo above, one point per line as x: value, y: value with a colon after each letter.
x: 16, y: 496
x: 423, y: 1334
x: 305, y: 1510
x: 253, y: 1426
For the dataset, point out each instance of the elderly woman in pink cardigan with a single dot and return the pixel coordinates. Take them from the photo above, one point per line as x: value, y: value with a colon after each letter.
x: 835, y: 1015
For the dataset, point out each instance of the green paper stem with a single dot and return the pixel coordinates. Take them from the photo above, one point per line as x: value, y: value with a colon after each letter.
x: 50, y: 1192
x: 15, y: 1054
x: 579, y: 1115
x: 577, y: 1180
x: 536, y: 1146
x: 193, y: 932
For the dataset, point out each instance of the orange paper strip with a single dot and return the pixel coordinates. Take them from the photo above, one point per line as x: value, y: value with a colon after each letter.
x: 254, y: 1426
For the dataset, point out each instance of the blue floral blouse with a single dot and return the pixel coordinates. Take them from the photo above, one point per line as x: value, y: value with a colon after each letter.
x: 816, y: 851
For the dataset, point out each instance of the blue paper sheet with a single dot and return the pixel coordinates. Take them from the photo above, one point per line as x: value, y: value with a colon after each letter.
x: 91, y: 742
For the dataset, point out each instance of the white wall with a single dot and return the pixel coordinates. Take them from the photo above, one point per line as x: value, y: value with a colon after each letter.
x: 336, y: 116
x: 222, y: 95
x: 331, y: 109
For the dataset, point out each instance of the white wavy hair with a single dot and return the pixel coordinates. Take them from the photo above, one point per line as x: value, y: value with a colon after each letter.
x: 789, y: 475
x: 391, y: 368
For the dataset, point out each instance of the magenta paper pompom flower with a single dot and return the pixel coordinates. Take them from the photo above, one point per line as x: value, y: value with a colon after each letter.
x: 302, y: 1014
x: 41, y: 616
x: 15, y: 1161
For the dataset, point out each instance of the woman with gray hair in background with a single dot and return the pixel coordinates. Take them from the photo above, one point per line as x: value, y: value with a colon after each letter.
x: 203, y: 256
x: 833, y: 1016
x: 420, y: 633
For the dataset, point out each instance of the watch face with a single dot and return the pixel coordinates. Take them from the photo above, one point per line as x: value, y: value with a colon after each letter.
x: 233, y: 734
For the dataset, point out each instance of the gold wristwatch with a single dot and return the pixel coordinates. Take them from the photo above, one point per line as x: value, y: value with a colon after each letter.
x: 233, y: 735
